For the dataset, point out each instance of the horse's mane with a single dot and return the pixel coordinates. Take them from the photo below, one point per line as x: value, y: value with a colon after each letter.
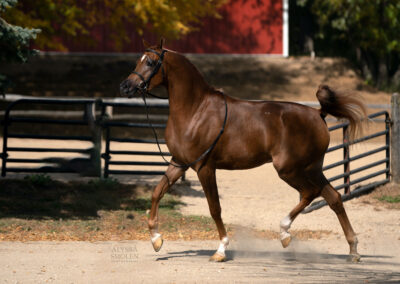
x: 195, y: 71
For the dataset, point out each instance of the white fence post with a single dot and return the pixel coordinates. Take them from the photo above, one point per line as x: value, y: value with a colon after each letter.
x: 395, y: 139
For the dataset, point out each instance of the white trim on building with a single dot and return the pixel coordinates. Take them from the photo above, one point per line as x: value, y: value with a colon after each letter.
x: 285, y: 28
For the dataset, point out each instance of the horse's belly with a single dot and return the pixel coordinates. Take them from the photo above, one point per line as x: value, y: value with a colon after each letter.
x: 238, y: 161
x: 246, y: 146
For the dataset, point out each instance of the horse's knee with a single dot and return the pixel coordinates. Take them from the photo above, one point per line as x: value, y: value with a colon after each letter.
x: 158, y: 193
x: 161, y: 189
x: 156, y: 196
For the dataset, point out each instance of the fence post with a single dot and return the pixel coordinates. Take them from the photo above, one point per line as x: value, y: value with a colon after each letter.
x: 395, y: 139
x: 4, y: 155
x: 346, y: 157
x: 95, y: 129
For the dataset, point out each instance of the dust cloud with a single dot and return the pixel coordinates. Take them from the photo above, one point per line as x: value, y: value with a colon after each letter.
x: 245, y: 245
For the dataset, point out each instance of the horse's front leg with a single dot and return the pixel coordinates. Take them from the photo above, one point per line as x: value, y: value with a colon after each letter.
x: 208, y: 181
x: 170, y: 177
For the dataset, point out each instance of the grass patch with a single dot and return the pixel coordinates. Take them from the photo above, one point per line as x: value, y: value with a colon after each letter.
x: 390, y: 199
x: 386, y: 196
x: 40, y: 197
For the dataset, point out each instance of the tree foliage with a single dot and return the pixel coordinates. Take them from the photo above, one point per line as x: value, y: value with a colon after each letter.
x: 14, y: 41
x: 366, y: 31
x: 69, y: 18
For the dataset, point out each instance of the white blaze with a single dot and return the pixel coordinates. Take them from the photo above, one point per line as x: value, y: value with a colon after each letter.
x: 143, y: 57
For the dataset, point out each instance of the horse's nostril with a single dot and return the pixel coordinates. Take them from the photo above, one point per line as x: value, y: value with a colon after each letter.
x: 125, y: 84
x: 123, y: 87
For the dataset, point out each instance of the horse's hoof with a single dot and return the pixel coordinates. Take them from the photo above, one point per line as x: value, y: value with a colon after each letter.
x: 354, y: 258
x: 217, y: 257
x: 286, y: 241
x: 157, y: 243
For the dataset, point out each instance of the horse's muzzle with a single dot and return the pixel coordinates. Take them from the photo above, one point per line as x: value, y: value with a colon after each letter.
x: 129, y: 89
x: 126, y: 88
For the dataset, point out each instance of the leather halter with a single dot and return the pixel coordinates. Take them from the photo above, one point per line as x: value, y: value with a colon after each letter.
x: 146, y: 82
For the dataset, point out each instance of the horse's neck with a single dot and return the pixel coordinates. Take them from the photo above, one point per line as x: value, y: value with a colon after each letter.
x: 186, y: 87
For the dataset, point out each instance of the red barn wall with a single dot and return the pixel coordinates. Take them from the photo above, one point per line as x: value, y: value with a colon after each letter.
x: 246, y: 27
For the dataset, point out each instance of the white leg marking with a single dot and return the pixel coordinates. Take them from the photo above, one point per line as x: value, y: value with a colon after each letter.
x: 155, y: 237
x: 222, y: 246
x: 285, y: 225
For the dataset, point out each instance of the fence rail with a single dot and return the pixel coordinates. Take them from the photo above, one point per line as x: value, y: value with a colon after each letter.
x: 86, y: 104
x: 109, y: 139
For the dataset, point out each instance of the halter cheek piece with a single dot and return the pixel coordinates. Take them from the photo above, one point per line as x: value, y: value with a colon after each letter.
x: 144, y: 90
x: 146, y: 82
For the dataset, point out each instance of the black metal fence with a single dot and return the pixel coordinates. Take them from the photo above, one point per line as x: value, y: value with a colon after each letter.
x: 348, y: 159
x: 135, y: 156
x: 85, y: 118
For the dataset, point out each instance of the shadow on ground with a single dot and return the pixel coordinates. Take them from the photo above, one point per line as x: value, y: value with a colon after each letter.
x: 186, y: 189
x: 40, y: 197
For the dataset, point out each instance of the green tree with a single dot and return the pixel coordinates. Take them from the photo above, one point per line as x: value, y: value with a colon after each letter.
x: 372, y: 30
x: 14, y: 42
x: 365, y: 31
x: 68, y: 18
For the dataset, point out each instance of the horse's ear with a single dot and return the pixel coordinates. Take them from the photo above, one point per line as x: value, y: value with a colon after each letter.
x: 162, y: 41
x: 146, y: 44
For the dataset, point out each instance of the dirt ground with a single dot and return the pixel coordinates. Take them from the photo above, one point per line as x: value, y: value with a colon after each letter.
x: 249, y: 261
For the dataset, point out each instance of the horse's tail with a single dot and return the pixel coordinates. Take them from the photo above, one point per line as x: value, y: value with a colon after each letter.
x: 342, y: 105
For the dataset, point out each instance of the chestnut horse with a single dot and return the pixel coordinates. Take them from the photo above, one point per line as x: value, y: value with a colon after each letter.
x: 208, y: 130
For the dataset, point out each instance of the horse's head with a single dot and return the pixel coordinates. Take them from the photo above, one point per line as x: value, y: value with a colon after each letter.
x: 148, y: 73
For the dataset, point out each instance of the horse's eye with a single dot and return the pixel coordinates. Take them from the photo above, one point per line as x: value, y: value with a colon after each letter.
x: 150, y: 62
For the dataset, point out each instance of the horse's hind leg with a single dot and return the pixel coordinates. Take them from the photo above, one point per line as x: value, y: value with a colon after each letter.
x: 288, y: 220
x: 308, y: 191
x: 334, y: 200
x: 170, y: 177
x: 208, y: 181
x: 310, y: 185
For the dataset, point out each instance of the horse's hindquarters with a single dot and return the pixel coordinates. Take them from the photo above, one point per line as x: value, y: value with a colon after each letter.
x: 261, y: 132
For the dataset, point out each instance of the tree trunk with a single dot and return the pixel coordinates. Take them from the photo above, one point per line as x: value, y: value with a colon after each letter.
x: 382, y: 76
x: 395, y: 80
x: 362, y: 59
